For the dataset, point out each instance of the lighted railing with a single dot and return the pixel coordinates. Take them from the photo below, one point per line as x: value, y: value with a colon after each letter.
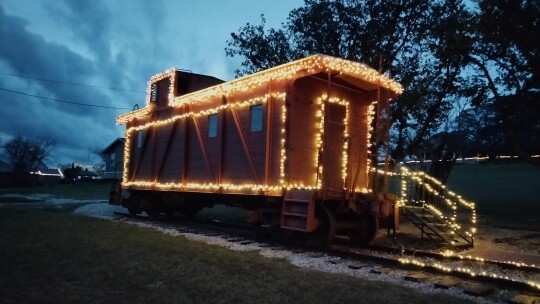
x: 421, y: 190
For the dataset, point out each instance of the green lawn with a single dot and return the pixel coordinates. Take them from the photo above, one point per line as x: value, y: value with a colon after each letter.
x: 52, y: 256
x: 97, y: 191
x: 499, y: 189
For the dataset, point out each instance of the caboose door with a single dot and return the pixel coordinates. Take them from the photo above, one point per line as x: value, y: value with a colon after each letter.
x: 333, y: 158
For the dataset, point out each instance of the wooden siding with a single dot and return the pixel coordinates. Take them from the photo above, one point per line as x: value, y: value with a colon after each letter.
x: 182, y: 153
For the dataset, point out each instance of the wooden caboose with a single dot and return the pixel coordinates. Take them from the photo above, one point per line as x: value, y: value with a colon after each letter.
x: 291, y: 144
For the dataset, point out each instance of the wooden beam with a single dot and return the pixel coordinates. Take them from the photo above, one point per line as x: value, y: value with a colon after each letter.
x: 153, y: 156
x: 245, y: 145
x: 268, y: 159
x: 222, y: 141
x: 203, y: 147
x: 186, y: 151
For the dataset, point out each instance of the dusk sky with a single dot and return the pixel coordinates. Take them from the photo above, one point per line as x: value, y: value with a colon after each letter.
x: 103, y: 52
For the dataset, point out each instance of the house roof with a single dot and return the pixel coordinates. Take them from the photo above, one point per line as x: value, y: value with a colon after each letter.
x: 355, y: 73
x: 49, y: 172
x: 119, y: 140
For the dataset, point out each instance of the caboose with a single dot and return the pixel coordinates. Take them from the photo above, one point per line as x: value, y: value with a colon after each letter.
x: 291, y: 144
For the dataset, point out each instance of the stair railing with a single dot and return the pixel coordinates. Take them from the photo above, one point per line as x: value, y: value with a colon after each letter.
x: 422, y: 190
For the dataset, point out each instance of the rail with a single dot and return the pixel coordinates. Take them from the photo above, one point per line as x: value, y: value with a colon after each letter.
x: 434, y: 208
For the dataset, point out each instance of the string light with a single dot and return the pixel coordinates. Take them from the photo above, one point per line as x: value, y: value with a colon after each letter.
x: 467, y: 271
x: 453, y: 201
x: 282, y: 184
x: 345, y: 149
x: 170, y: 73
x: 137, y: 114
x: 173, y: 119
x: 361, y: 71
x: 369, y: 132
x: 310, y: 65
x: 319, y: 135
x: 477, y: 158
x: 215, y: 110
x: 283, y: 151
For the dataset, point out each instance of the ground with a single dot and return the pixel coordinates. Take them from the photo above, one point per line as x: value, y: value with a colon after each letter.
x: 490, y: 235
x: 508, y: 218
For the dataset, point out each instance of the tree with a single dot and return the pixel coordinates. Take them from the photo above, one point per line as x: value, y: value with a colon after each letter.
x: 71, y: 173
x: 483, y: 54
x: 425, y: 42
x: 504, y: 82
x: 25, y: 155
x: 99, y: 164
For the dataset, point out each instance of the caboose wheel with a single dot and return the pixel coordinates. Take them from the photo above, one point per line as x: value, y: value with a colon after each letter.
x: 169, y: 212
x: 326, y: 230
x: 152, y: 211
x: 190, y: 211
x: 366, y: 232
x: 134, y: 206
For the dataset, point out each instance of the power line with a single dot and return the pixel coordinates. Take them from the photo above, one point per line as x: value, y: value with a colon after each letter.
x: 71, y: 83
x: 64, y: 101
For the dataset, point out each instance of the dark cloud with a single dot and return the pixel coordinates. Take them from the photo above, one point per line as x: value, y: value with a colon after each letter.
x: 82, y: 18
x: 118, y: 44
x: 26, y: 53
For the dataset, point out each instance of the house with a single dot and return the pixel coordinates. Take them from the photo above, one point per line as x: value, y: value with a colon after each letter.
x: 47, y: 176
x: 41, y: 176
x: 114, y: 159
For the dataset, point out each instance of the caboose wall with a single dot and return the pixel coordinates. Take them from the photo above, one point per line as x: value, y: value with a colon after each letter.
x: 181, y: 156
x: 344, y: 164
x: 315, y: 130
x: 300, y: 118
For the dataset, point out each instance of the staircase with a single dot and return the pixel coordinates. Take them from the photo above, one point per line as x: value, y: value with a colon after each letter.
x: 433, y: 227
x: 298, y: 211
x: 437, y: 212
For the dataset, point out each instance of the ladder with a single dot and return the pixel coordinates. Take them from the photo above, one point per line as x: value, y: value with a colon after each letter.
x: 298, y: 211
x: 434, y: 227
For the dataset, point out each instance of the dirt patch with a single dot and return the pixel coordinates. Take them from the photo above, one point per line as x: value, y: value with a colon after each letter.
x: 489, y: 236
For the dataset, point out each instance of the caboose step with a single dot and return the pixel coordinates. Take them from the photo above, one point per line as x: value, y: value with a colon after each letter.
x: 298, y: 211
x: 295, y: 214
x: 432, y: 226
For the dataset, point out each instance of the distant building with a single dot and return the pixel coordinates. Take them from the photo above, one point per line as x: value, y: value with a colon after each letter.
x: 41, y: 176
x: 47, y: 176
x: 114, y: 159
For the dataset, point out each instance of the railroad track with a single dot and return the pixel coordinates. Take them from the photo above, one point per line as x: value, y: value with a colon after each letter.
x: 491, y: 280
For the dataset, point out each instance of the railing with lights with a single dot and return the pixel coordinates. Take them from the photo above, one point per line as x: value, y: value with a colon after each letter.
x: 419, y: 189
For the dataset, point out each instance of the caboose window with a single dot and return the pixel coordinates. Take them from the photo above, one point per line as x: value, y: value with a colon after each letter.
x: 139, y: 139
x: 212, y: 125
x: 256, y: 118
x: 161, y: 90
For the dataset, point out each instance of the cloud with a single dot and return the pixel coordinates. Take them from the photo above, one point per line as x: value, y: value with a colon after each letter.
x: 26, y: 53
x: 118, y: 44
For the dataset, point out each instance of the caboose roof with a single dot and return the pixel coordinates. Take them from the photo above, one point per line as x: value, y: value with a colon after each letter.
x: 355, y: 73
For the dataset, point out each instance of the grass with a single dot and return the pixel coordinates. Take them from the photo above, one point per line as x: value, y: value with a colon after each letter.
x: 97, y: 191
x: 52, y: 256
x: 507, y: 190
